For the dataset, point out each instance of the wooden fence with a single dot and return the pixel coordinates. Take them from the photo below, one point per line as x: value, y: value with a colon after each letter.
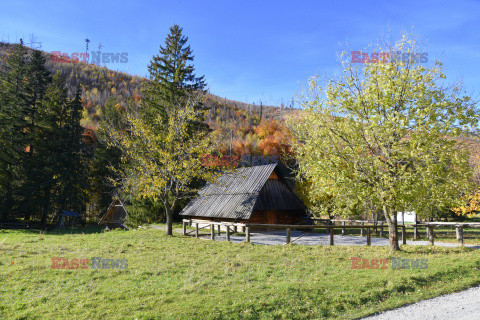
x: 366, y: 228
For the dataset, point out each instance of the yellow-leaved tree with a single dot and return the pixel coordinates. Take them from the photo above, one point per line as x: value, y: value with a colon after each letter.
x: 162, y: 155
x: 384, y: 132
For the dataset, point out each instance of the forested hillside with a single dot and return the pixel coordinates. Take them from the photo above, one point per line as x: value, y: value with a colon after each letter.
x: 236, y: 122
x: 239, y: 128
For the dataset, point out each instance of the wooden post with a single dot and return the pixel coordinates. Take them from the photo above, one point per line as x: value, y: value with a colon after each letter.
x: 375, y: 227
x: 332, y: 233
x: 361, y: 230
x: 235, y: 230
x: 288, y: 236
x: 218, y: 228
x: 184, y: 228
x: 460, y: 235
x: 428, y: 232
x: 415, y: 232
x: 381, y: 229
x: 212, y: 230
x: 430, y: 235
x: 243, y: 229
x: 369, y: 239
x: 247, y: 234
x: 457, y: 229
x: 343, y: 229
x: 228, y: 233
x: 196, y: 229
x: 404, y: 235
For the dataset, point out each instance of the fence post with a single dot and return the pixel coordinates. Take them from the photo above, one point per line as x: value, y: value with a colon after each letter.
x: 343, y: 229
x: 235, y: 230
x: 381, y: 229
x: 460, y: 235
x: 404, y: 235
x: 247, y: 234
x: 212, y: 230
x: 361, y: 230
x: 375, y: 223
x: 431, y: 235
x: 218, y: 228
x: 288, y: 236
x: 415, y: 232
x: 369, y: 239
x: 184, y: 228
x: 332, y: 233
x: 196, y: 229
x: 228, y: 233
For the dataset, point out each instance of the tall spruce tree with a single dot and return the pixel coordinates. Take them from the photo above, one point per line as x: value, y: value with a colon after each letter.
x: 13, y: 105
x: 172, y: 76
x: 38, y: 80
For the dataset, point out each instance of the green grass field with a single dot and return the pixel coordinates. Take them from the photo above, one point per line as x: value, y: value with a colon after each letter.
x: 187, y: 278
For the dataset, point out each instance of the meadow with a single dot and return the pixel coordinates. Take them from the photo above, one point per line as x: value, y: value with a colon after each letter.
x: 186, y: 278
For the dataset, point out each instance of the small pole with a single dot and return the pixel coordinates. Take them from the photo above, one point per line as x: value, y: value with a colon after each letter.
x: 381, y: 229
x: 369, y: 239
x: 184, y: 228
x: 460, y: 235
x: 332, y: 231
x: 415, y: 232
x: 404, y: 235
x: 247, y: 234
x: 235, y: 229
x: 196, y: 229
x: 228, y: 233
x: 431, y: 236
x: 375, y: 227
x: 218, y: 227
x: 361, y: 230
x: 343, y: 229
x: 212, y: 230
x: 288, y: 236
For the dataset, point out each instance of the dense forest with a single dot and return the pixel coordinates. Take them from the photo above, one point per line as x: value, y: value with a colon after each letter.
x: 54, y: 156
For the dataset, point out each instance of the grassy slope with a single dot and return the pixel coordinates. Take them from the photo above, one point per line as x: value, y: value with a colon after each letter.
x: 178, y: 277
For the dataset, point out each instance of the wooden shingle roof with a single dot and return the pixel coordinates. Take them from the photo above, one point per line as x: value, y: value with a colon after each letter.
x: 236, y: 194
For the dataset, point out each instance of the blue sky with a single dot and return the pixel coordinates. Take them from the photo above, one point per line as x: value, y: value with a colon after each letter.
x: 251, y: 51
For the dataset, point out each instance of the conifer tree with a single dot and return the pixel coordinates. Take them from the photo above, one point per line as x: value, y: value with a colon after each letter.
x: 172, y: 76
x: 12, y: 106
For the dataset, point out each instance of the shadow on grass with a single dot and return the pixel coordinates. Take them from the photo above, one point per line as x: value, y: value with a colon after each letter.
x: 85, y: 230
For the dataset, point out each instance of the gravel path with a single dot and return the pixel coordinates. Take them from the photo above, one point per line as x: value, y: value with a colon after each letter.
x: 312, y: 238
x: 464, y: 305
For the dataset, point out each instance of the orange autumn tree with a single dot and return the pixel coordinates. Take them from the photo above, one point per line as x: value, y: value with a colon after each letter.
x: 274, y: 138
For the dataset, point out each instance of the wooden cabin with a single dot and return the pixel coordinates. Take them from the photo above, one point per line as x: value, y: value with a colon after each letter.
x: 115, y: 216
x: 259, y: 194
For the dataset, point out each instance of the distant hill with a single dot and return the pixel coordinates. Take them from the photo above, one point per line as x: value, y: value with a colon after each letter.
x: 100, y: 83
x: 238, y: 124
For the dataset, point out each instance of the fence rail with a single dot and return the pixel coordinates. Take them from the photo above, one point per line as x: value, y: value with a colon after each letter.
x: 366, y: 227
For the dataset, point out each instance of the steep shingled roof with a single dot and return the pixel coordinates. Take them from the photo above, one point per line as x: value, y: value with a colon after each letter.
x: 235, y: 195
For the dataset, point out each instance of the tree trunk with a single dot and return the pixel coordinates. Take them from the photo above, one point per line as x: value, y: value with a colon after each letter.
x: 169, y: 218
x: 392, y: 230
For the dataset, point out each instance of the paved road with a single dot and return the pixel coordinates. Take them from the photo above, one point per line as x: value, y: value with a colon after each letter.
x: 464, y: 305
